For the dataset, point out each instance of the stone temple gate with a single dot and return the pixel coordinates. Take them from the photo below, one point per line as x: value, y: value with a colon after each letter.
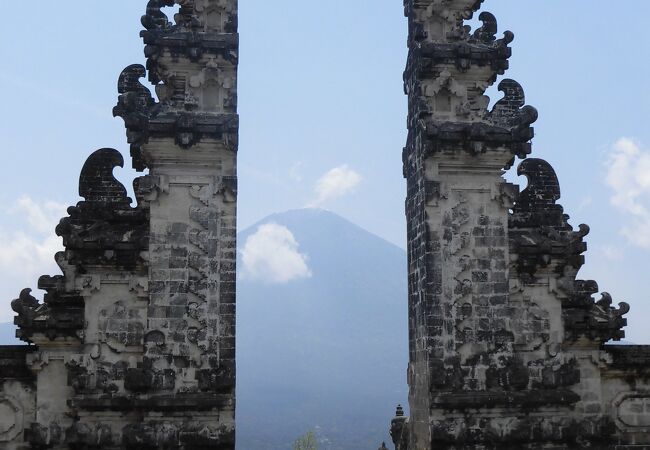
x: 133, y: 346
x: 507, y: 347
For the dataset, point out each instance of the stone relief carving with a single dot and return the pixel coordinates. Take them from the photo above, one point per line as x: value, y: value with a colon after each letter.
x: 11, y: 418
x: 633, y: 410
x: 122, y: 326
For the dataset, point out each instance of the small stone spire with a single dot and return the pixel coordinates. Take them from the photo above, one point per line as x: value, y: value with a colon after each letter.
x: 399, y: 431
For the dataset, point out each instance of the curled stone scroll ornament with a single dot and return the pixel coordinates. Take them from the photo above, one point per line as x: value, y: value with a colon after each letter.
x: 511, y: 110
x: 486, y: 34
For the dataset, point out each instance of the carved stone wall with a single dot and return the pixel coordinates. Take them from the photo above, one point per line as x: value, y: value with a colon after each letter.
x: 133, y: 346
x: 507, y: 348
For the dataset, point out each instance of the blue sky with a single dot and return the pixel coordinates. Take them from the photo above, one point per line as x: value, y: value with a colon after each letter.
x: 321, y: 93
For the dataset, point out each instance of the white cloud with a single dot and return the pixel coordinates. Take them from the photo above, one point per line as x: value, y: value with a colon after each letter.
x: 27, y: 248
x: 628, y: 175
x: 41, y: 218
x: 271, y: 255
x: 335, y: 183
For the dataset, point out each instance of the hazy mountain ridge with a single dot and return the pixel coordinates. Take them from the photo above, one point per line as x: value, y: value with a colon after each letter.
x: 334, y: 345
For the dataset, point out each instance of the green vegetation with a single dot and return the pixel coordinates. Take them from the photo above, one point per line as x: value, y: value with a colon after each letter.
x: 306, y: 442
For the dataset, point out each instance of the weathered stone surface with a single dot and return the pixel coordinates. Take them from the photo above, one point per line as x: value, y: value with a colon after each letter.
x: 134, y: 344
x: 193, y: 66
x: 507, y: 348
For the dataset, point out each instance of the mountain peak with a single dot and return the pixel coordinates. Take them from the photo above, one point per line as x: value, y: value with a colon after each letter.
x: 312, y: 222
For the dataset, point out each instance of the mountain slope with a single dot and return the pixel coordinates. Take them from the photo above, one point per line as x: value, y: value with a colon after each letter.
x: 327, y: 351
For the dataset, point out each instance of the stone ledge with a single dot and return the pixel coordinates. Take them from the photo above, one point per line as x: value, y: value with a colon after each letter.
x: 213, y: 42
x: 628, y: 356
x: 13, y: 365
x: 475, y: 52
x: 164, y: 403
x: 524, y: 399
